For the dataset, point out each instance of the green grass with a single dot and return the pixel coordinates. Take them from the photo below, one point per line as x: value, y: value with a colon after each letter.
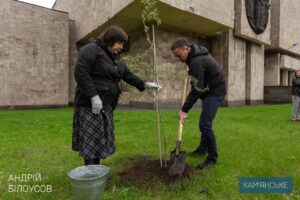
x: 255, y: 141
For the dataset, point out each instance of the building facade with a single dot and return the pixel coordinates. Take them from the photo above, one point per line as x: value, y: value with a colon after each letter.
x: 256, y: 43
x: 34, y: 51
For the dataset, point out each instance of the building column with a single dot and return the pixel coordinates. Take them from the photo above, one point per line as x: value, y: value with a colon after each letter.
x: 230, y: 52
x: 285, y: 77
x: 73, y: 54
x: 272, y: 70
x: 254, y: 74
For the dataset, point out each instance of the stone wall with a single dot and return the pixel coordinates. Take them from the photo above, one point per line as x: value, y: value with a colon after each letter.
x: 243, y: 28
x: 131, y: 96
x: 289, y: 62
x: 285, y: 25
x: 36, y: 44
x: 272, y: 70
x: 289, y: 25
x: 277, y: 94
x: 215, y: 10
x: 73, y: 53
x: 171, y: 73
x: 90, y: 14
x: 92, y: 17
x: 279, y: 69
x: 243, y: 67
x: 275, y: 23
x: 34, y: 62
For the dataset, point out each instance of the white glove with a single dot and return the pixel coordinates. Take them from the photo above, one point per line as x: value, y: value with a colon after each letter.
x: 96, y: 104
x: 153, y: 85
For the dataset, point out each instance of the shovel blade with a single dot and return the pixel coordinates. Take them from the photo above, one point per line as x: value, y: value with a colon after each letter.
x: 177, y: 163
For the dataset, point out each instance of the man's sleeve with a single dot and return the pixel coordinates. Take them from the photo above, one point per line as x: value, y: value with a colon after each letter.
x: 197, y: 86
x: 84, y: 64
x: 191, y: 99
x: 293, y: 82
x: 199, y: 76
x: 296, y: 82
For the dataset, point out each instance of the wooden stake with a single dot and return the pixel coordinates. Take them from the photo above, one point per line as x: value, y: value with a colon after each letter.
x: 156, y: 98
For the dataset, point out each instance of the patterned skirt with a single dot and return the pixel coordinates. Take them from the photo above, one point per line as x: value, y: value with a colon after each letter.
x: 93, y: 135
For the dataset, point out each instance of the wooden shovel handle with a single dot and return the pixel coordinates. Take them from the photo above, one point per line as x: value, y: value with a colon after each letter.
x: 186, y: 80
x: 180, y: 130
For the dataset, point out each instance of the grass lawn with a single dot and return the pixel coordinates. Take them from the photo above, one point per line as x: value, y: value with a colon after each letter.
x: 257, y: 141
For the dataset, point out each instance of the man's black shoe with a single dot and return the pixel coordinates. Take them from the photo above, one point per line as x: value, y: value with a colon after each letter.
x: 198, y: 152
x: 207, y: 163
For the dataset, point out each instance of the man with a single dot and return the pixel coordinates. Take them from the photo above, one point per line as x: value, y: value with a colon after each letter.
x: 296, y: 97
x: 208, y: 84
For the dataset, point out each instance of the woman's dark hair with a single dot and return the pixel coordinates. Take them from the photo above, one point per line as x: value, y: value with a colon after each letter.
x: 179, y: 43
x: 112, y: 35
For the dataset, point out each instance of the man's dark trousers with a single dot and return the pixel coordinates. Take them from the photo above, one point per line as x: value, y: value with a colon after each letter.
x: 210, y: 107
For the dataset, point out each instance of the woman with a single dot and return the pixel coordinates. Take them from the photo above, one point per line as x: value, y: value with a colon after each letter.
x: 98, y: 71
x: 296, y: 97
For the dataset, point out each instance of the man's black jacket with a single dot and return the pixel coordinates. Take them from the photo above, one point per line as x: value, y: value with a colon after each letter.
x: 98, y: 72
x: 296, y: 86
x: 206, y: 76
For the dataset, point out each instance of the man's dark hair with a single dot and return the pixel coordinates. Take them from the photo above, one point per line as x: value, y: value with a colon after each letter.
x: 112, y: 35
x: 179, y: 43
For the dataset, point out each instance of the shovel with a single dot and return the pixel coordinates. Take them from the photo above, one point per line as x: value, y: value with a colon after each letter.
x: 177, y: 157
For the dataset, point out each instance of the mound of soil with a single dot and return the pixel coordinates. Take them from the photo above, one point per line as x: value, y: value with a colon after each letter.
x: 147, y: 172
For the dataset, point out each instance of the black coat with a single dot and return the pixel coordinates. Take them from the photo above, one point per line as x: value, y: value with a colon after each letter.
x: 207, y: 78
x: 296, y: 86
x: 98, y: 72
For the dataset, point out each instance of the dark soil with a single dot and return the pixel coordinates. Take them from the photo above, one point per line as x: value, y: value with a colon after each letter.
x: 146, y: 172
